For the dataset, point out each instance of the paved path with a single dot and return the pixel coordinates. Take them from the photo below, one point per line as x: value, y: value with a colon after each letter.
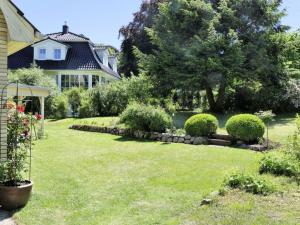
x: 5, y: 218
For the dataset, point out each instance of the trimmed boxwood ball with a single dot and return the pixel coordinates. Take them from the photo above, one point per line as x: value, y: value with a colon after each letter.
x: 201, y: 125
x: 245, y: 127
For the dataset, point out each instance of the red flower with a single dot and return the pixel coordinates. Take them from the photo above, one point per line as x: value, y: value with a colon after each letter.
x: 38, y: 116
x: 21, y: 108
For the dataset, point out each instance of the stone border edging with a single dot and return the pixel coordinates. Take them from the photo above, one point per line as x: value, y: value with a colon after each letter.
x: 169, y: 138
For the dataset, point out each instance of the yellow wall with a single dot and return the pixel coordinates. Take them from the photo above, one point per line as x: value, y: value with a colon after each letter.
x: 3, y: 82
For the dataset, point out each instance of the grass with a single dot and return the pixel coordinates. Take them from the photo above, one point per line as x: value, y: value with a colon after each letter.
x: 90, y: 178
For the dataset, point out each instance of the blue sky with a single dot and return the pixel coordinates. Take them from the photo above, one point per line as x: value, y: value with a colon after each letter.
x: 100, y: 20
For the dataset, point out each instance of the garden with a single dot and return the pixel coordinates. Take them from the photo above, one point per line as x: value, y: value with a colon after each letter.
x: 119, y: 180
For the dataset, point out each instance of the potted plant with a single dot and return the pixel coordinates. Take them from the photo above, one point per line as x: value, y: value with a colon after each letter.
x: 15, y: 190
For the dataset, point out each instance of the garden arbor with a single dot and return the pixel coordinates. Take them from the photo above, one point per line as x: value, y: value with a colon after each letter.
x: 16, y: 32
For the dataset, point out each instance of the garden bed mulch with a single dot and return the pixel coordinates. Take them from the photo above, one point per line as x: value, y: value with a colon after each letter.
x: 217, y: 139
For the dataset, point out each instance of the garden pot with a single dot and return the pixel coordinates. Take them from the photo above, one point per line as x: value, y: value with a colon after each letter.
x: 12, y: 198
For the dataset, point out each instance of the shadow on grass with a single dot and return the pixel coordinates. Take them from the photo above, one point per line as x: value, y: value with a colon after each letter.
x: 129, y: 139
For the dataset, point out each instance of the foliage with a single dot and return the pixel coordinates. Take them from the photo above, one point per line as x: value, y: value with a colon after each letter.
x: 112, y: 99
x: 293, y: 92
x: 18, y: 141
x: 109, y: 100
x: 287, y: 163
x: 146, y: 118
x: 288, y: 45
x: 249, y: 183
x: 279, y: 165
x: 60, y: 106
x: 209, y: 45
x: 266, y: 116
x: 33, y: 76
x: 201, y: 125
x: 293, y: 146
x: 85, y: 109
x: 134, y: 35
x: 74, y: 99
x: 245, y: 127
x: 139, y: 88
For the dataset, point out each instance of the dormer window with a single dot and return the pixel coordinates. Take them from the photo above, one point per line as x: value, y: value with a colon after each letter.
x: 42, y: 53
x: 57, y: 53
x: 49, y: 49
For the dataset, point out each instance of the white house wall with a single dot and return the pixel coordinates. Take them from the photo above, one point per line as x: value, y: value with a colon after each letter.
x: 50, y: 45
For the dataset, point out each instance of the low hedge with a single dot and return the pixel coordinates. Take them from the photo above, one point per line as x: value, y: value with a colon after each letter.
x: 249, y: 183
x: 245, y: 127
x: 279, y: 165
x: 201, y: 125
x: 146, y: 118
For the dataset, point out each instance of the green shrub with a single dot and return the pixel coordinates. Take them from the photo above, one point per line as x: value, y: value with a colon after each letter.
x: 245, y: 127
x: 74, y: 99
x: 201, y: 125
x: 146, y: 118
x: 60, y: 106
x: 248, y: 183
x: 278, y: 165
x: 109, y: 100
x: 293, y: 146
x: 85, y: 109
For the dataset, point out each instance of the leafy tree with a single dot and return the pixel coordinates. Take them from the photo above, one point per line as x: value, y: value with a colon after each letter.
x: 134, y: 34
x: 35, y: 76
x: 74, y: 96
x: 212, y: 44
x: 32, y: 76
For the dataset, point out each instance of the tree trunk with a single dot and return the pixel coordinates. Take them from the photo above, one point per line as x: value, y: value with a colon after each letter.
x: 210, y: 98
x: 216, y: 106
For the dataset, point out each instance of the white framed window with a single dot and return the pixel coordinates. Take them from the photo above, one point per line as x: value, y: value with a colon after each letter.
x: 70, y: 81
x: 42, y: 53
x: 57, y: 53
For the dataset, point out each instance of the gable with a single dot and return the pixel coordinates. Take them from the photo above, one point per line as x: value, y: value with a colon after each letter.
x: 50, y: 48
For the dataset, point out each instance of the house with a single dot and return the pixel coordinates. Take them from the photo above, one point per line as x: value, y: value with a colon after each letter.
x: 73, y: 60
x: 16, y: 32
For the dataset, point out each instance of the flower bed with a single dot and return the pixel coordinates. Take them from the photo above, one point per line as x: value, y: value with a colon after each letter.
x: 222, y: 140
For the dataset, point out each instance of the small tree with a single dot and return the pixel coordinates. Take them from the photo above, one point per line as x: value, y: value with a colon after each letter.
x: 74, y: 99
x: 267, y: 117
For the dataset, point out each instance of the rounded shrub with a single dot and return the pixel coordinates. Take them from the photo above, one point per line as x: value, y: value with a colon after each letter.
x: 245, y: 127
x: 60, y: 106
x: 146, y: 118
x: 201, y: 125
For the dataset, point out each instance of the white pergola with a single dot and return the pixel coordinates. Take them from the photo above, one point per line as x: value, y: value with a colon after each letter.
x: 20, y: 90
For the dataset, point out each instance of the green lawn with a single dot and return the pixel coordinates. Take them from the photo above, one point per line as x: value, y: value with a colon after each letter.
x: 90, y: 178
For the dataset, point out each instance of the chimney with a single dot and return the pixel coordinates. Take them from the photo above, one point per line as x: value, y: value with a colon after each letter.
x: 113, y: 62
x: 65, y: 28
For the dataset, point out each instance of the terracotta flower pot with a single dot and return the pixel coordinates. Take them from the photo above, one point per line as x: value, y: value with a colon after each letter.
x: 12, y: 198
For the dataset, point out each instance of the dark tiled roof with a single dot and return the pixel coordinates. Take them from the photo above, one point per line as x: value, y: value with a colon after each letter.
x: 49, y: 38
x: 66, y: 37
x: 80, y: 56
